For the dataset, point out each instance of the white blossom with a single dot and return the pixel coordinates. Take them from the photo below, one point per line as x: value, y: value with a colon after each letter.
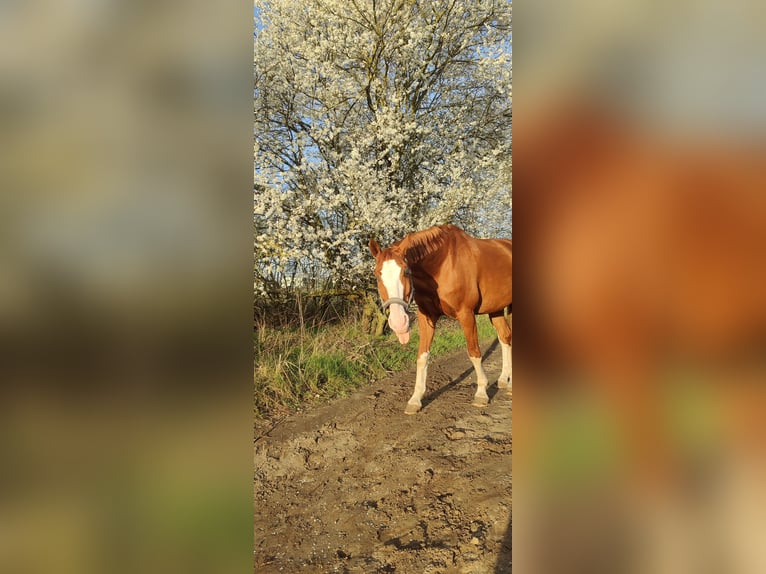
x: 376, y: 118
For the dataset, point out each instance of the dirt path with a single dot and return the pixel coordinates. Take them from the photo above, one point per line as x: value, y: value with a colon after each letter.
x: 357, y: 486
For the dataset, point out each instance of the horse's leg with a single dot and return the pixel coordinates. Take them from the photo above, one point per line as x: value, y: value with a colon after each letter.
x: 426, y: 326
x: 504, y: 334
x: 468, y: 322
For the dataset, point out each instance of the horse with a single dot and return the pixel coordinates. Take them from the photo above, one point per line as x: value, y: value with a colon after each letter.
x: 447, y: 272
x: 646, y: 252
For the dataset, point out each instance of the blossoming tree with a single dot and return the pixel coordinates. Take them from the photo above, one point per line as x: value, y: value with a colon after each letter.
x: 376, y: 117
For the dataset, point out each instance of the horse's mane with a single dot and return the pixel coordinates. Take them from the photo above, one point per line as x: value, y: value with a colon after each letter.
x: 417, y: 245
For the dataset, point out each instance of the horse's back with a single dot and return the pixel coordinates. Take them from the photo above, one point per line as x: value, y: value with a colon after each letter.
x: 495, y: 255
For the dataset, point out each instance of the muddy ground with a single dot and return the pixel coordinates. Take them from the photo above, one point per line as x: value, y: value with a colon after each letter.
x: 358, y: 486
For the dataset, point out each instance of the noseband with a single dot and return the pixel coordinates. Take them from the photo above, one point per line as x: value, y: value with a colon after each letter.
x: 388, y: 302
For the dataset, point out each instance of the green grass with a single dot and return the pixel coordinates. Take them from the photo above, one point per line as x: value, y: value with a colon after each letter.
x: 296, y: 367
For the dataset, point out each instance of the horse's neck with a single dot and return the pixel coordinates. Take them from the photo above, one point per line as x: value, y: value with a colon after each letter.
x: 428, y: 245
x: 430, y: 263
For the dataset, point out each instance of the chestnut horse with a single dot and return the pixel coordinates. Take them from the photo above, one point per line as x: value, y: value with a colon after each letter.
x: 647, y: 250
x: 447, y: 272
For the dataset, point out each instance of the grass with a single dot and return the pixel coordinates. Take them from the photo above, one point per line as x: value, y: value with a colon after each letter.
x: 297, y: 366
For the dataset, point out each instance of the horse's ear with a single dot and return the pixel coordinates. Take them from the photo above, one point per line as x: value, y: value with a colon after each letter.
x: 374, y: 247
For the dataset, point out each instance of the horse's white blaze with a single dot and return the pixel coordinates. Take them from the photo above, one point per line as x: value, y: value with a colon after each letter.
x: 390, y: 274
x: 420, y: 380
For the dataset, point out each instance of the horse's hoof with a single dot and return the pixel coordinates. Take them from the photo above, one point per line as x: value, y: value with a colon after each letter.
x: 480, y: 402
x: 411, y: 409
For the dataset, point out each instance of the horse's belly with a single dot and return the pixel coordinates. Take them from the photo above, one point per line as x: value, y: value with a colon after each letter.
x: 496, y: 299
x: 491, y: 307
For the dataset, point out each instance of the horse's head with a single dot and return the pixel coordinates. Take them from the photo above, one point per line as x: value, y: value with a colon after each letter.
x: 395, y: 288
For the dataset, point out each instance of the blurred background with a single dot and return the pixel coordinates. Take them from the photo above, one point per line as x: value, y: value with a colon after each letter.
x: 125, y: 286
x: 640, y: 187
x: 126, y: 267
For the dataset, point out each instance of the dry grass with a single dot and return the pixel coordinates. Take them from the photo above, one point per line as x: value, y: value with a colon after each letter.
x: 299, y: 365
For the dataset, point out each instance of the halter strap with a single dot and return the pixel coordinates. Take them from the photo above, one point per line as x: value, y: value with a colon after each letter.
x: 388, y: 302
x: 392, y: 300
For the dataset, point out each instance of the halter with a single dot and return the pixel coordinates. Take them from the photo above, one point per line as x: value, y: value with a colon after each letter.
x: 388, y: 302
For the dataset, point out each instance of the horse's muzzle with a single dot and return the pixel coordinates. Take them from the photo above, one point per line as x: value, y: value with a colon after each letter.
x: 399, y: 321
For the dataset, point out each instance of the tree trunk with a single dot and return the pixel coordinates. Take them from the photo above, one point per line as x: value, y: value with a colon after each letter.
x: 373, y: 319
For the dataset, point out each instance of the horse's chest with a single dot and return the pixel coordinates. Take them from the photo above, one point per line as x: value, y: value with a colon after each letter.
x: 440, y: 295
x: 448, y: 310
x: 449, y: 304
